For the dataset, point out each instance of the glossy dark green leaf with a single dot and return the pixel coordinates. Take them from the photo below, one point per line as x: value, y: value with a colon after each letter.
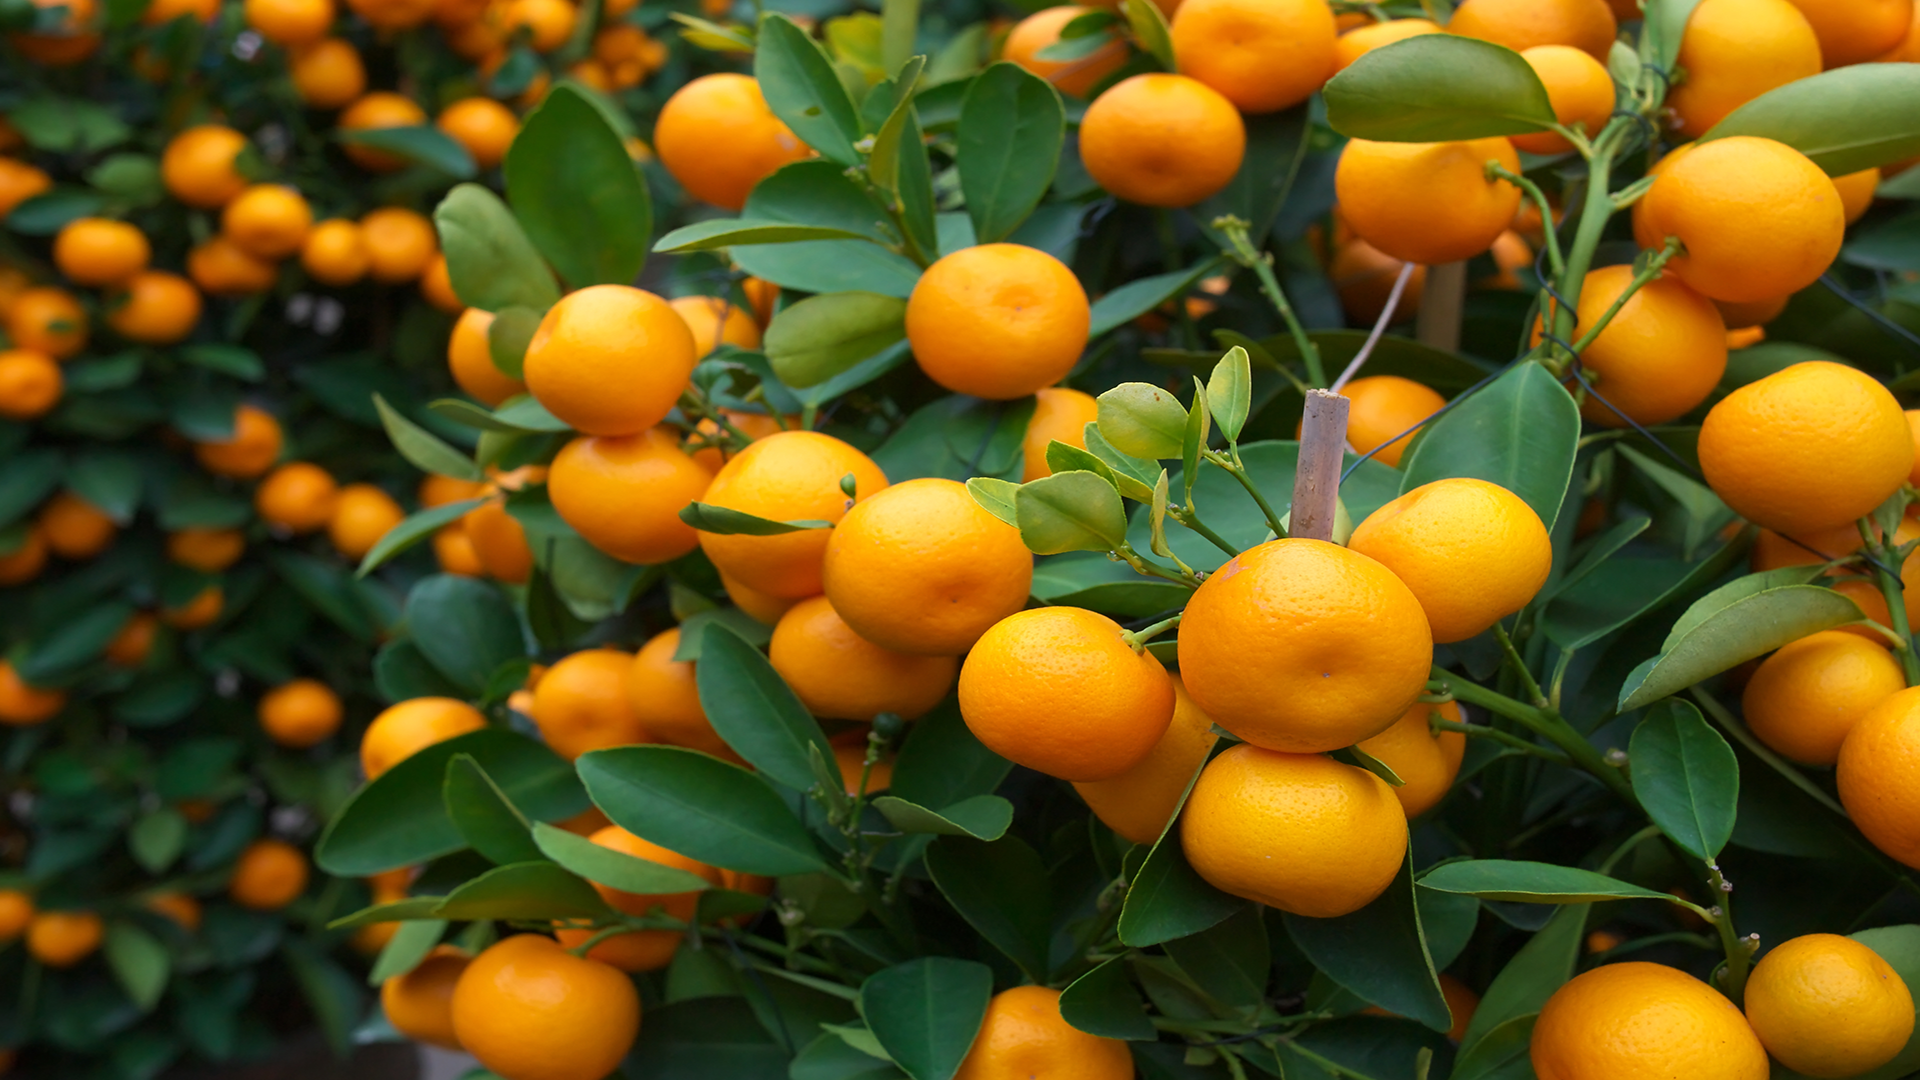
x: 1092, y: 580
x: 528, y: 890
x: 486, y: 818
x: 108, y: 478
x: 1012, y: 126
x: 722, y: 521
x: 464, y: 627
x: 1070, y: 511
x: 823, y: 336
x: 1229, y: 960
x: 241, y: 363
x: 415, y: 530
x: 1000, y: 889
x: 753, y: 709
x: 957, y: 438
x: 1846, y: 119
x: 1542, y: 965
x: 926, y: 1012
x: 615, y: 869
x: 578, y: 193
x: 942, y: 763
x: 74, y: 642
x: 829, y: 1057
x: 423, y: 449
x: 1168, y: 899
x: 1686, y: 777
x: 1532, y: 883
x: 1150, y: 31
x: 157, y: 839
x: 1104, y: 1002
x: 1664, y: 27
x: 802, y: 90
x: 983, y: 817
x: 1380, y: 953
x: 412, y: 940
x: 62, y: 124
x: 508, y: 336
x: 1277, y: 147
x: 1751, y: 626
x: 728, y: 232
x: 30, y: 476
x: 400, y: 818
x: 1502, y: 1054
x: 819, y: 193
x: 140, y: 963
x: 1436, y: 88
x: 490, y: 260
x: 1134, y: 299
x: 1521, y: 432
x: 335, y: 997
x: 700, y: 807
x: 421, y: 143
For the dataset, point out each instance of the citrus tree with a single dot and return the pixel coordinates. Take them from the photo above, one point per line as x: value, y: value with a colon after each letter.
x: 216, y: 267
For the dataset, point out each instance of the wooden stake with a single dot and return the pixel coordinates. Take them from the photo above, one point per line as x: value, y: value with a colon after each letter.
x: 1438, y: 324
x: 1316, y: 480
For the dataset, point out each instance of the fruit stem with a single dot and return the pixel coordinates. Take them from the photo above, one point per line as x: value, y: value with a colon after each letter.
x: 1586, y: 239
x: 1244, y: 253
x: 1150, y: 569
x: 1239, y: 472
x: 1541, y: 722
x: 1507, y: 738
x: 1894, y: 590
x: 1520, y: 667
x: 1641, y: 277
x: 1191, y: 520
x: 1532, y: 190
x: 1137, y: 639
x: 1738, y: 955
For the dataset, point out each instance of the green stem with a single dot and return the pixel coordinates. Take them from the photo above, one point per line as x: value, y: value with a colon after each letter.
x: 1541, y: 722
x: 1532, y: 190
x: 1138, y: 638
x: 1646, y: 274
x: 1593, y: 224
x: 1506, y: 738
x: 1149, y: 569
x: 1520, y: 669
x: 1239, y: 472
x: 1627, y: 847
x: 1244, y: 253
x: 1894, y: 590
x: 846, y: 993
x: 1739, y: 956
x: 1191, y: 520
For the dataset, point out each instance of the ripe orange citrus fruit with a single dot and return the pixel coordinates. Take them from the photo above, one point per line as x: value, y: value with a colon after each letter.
x: 219, y: 267
x: 290, y: 23
x: 269, y: 875
x: 1261, y: 55
x: 206, y: 550
x: 400, y: 244
x: 61, y: 939
x: 410, y: 727
x: 198, y: 166
x: 19, y: 182
x: 1362, y: 40
x: 788, y: 476
x: 1380, y: 407
x: 1075, y: 78
x: 1679, y: 1026
x: 470, y: 358
x: 100, y: 251
x: 30, y: 384
x: 666, y: 700
x: 1520, y: 25
x: 1025, y: 1036
x: 581, y: 703
x: 16, y: 912
x: 300, y: 713
x: 1581, y: 92
x: 202, y: 610
x: 419, y: 1003
x: 154, y: 308
x: 1344, y: 832
x: 22, y: 703
x: 133, y: 641
x: 298, y: 496
x: 718, y: 139
x: 498, y: 540
x: 1348, y: 643
x: 380, y: 109
x: 1805, y: 698
x: 47, y: 320
x: 1826, y: 1005
x: 997, y: 321
x: 1472, y: 552
x: 267, y: 221
x: 1735, y: 50
x: 839, y: 675
x: 25, y: 562
x: 610, y: 360
x: 1140, y: 802
x: 436, y: 286
x: 328, y: 73
x: 1769, y: 449
x: 922, y: 568
x: 529, y: 1010
x: 74, y: 528
x: 1426, y: 759
x: 251, y: 451
x: 482, y: 125
x: 335, y: 253
x: 643, y: 950
x: 1427, y: 202
x: 1060, y: 691
x: 713, y: 322
x: 362, y: 514
x: 1060, y: 414
x: 1879, y: 775
x: 1162, y: 140
x: 1662, y: 354
x: 624, y: 494
x: 1757, y: 218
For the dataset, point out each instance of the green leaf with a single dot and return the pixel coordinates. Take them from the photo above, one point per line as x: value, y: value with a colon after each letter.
x: 411, y: 943
x: 523, y: 891
x: 421, y: 143
x: 1012, y: 126
x: 802, y: 89
x: 241, y: 363
x: 1230, y: 960
x: 1542, y: 965
x: 333, y: 995
x: 1436, y: 88
x: 508, y: 336
x: 819, y: 193
x: 724, y: 522
x: 490, y: 260
x: 926, y: 1012
x: 958, y: 437
x: 573, y: 186
x: 737, y: 622
x: 61, y: 124
x: 725, y: 233
x: 157, y: 839
x: 1136, y: 298
x: 140, y: 963
x: 1168, y: 899
x: 1521, y: 432
x: 50, y: 211
x: 422, y: 448
x: 822, y: 336
x: 1230, y: 392
x: 1532, y: 883
x: 30, y: 476
x: 614, y: 869
x: 1686, y: 777
x: 1143, y: 420
x: 74, y: 642
x: 753, y: 709
x: 400, y: 818
x: 1380, y: 953
x: 943, y: 764
x: 411, y: 909
x: 996, y: 497
x: 411, y: 532
x: 523, y: 413
x: 464, y: 627
x: 108, y: 478
x: 1503, y: 1054
x: 1000, y: 888
x: 1665, y: 25
x: 488, y: 820
x: 700, y: 807
x: 1750, y: 626
x: 1070, y: 511
x: 1150, y: 31
x: 1104, y: 1002
x: 1900, y: 947
x: 983, y: 817
x: 1846, y: 119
